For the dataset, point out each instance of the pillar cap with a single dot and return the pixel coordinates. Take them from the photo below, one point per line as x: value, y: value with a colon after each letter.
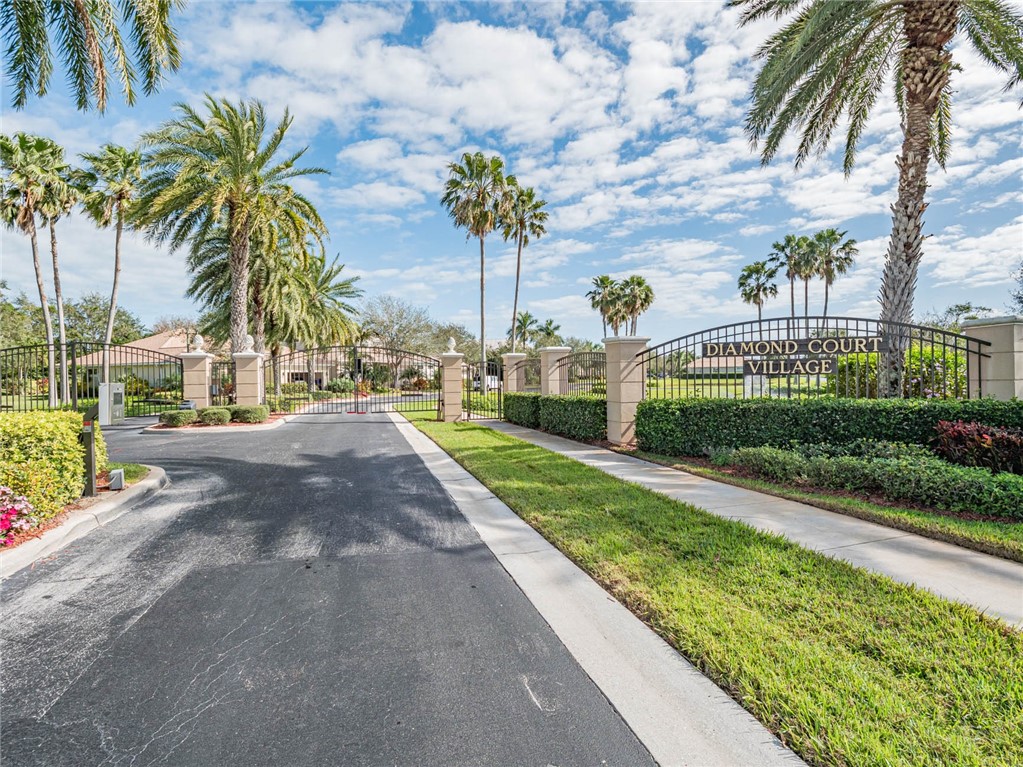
x: 248, y: 355
x: 517, y: 355
x: 196, y: 355
x: 555, y: 349
x: 452, y: 356
x: 627, y: 339
x: 1011, y: 319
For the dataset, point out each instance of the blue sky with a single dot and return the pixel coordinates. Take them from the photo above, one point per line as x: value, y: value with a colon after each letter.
x: 627, y: 119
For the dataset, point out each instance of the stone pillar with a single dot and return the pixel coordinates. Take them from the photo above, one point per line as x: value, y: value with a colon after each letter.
x: 626, y: 386
x: 451, y: 385
x: 513, y: 379
x: 1000, y: 374
x: 549, y: 356
x: 197, y: 377
x: 248, y: 378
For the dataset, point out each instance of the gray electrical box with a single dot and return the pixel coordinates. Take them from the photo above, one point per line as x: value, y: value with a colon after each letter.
x: 111, y: 403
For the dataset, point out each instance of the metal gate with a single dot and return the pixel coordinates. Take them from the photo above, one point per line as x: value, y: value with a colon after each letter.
x: 352, y: 379
x: 222, y: 382
x: 51, y: 376
x: 482, y: 396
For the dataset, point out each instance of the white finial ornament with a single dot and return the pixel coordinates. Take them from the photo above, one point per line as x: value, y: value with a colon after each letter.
x: 198, y: 342
x: 249, y: 343
x: 451, y: 345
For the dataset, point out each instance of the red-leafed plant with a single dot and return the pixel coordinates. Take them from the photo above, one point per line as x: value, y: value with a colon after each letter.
x: 974, y: 444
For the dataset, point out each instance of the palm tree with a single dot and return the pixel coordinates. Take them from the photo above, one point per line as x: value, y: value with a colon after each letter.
x: 59, y: 197
x: 788, y: 254
x: 476, y: 197
x: 756, y: 284
x: 28, y: 162
x: 806, y: 267
x: 547, y: 333
x: 835, y: 256
x: 524, y: 328
x: 87, y: 34
x: 524, y: 218
x: 600, y: 297
x: 221, y: 169
x: 109, y: 184
x: 834, y: 58
x: 637, y: 296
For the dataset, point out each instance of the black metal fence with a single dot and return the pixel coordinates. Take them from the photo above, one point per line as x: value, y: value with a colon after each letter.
x: 222, y: 382
x: 527, y: 375
x: 582, y: 373
x: 353, y: 379
x: 799, y: 357
x: 482, y: 396
x: 52, y: 376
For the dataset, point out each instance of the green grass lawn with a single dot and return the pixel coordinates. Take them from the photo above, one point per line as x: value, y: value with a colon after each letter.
x: 847, y: 667
x: 133, y: 472
x: 1002, y: 539
x: 479, y: 404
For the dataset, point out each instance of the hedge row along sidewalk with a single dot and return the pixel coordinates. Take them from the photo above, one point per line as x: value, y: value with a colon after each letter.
x: 847, y: 667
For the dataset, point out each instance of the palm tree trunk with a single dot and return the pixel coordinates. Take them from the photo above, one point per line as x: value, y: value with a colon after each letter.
x: 603, y: 322
x: 112, y: 313
x: 928, y: 27
x: 760, y: 314
x: 792, y: 293
x: 483, y: 321
x: 239, y: 283
x: 310, y: 370
x: 65, y: 390
x: 518, y: 274
x: 258, y: 318
x: 826, y: 286
x: 44, y: 304
x: 806, y: 297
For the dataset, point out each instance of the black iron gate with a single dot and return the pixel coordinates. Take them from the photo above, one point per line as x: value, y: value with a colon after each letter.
x: 482, y: 395
x: 351, y: 379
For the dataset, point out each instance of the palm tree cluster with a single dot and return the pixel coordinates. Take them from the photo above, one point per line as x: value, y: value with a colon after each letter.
x: 826, y: 255
x: 481, y: 197
x: 529, y: 330
x: 620, y: 302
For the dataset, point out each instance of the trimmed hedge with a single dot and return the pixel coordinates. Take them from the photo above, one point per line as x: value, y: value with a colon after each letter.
x: 249, y: 413
x: 580, y: 417
x: 178, y: 417
x: 42, y: 459
x: 929, y: 481
x: 214, y: 416
x: 523, y: 409
x: 689, y: 426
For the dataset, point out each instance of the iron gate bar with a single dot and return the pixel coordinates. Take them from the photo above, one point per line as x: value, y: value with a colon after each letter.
x: 582, y: 373
x: 927, y: 362
x: 476, y: 405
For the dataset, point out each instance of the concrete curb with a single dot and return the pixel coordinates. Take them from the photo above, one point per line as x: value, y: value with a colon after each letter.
x: 82, y: 522
x: 677, y: 713
x: 219, y: 429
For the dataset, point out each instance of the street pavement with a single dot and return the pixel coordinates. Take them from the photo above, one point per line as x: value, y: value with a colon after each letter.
x: 308, y: 595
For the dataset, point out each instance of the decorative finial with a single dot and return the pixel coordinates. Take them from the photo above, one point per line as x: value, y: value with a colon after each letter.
x: 451, y: 345
x: 198, y: 342
x: 249, y: 343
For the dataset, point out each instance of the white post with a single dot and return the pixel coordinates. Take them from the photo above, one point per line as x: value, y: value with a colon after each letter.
x: 512, y: 377
x: 999, y: 375
x: 549, y: 356
x: 451, y: 384
x: 626, y: 384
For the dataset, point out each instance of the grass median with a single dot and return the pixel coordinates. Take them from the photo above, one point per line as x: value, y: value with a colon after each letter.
x: 847, y: 667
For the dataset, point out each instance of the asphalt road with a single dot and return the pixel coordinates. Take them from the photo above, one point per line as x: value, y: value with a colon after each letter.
x: 302, y: 596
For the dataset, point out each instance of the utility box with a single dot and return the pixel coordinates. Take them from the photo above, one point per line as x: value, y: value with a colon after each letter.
x: 111, y: 403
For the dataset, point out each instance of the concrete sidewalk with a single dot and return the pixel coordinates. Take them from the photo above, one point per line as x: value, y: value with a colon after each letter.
x: 991, y: 584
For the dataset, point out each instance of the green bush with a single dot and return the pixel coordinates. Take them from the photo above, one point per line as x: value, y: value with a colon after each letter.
x: 214, y: 416
x: 319, y: 396
x: 250, y: 413
x: 925, y: 480
x: 42, y: 459
x: 690, y: 426
x: 178, y: 417
x: 341, y: 385
x: 102, y: 458
x: 522, y: 409
x: 576, y: 417
x: 864, y: 448
x: 294, y: 387
x: 929, y: 371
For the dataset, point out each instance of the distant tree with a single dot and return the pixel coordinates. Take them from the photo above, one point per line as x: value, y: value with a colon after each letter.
x: 834, y: 255
x: 524, y: 218
x: 88, y: 316
x: 547, y: 334
x: 637, y: 297
x: 20, y: 321
x: 175, y: 322
x: 790, y: 255
x: 756, y: 284
x: 601, y: 297
x: 88, y: 35
x: 1017, y: 294
x: 524, y: 330
x: 951, y: 318
x: 398, y: 324
x: 579, y: 345
x: 441, y: 332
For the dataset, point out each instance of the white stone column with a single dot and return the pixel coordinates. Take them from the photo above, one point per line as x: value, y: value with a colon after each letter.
x: 451, y: 386
x: 549, y: 356
x: 196, y: 377
x: 1000, y: 375
x: 248, y: 378
x: 626, y: 386
x: 513, y: 379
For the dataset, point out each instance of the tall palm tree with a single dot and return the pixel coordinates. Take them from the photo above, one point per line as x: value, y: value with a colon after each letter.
x: 524, y: 328
x: 547, y: 333
x: 834, y: 58
x: 524, y: 218
x: 109, y: 183
x: 600, y: 297
x: 88, y: 34
x: 220, y: 168
x: 28, y: 163
x: 59, y: 198
x: 476, y: 197
x: 637, y: 296
x: 806, y: 266
x: 756, y: 284
x: 835, y: 257
x: 788, y: 254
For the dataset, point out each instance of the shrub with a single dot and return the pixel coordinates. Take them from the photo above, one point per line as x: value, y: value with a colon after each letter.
x: 282, y: 404
x: 522, y: 409
x: 973, y: 444
x: 770, y: 462
x: 319, y: 396
x: 341, y: 385
x: 930, y: 371
x: 577, y: 417
x: 863, y: 448
x: 214, y: 416
x: 250, y: 413
x: 689, y: 426
x: 178, y: 417
x: 42, y: 459
x: 293, y: 388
